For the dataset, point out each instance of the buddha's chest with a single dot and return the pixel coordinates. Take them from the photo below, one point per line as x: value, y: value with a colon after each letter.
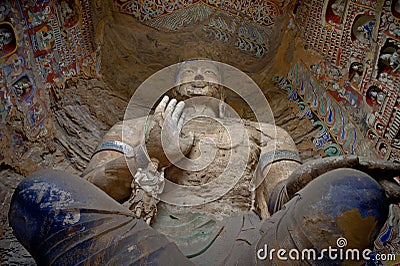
x: 220, y: 165
x: 219, y: 147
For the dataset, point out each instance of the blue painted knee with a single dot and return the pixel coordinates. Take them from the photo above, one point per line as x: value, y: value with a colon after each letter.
x: 343, y: 203
x: 47, y: 203
x: 62, y: 219
x: 347, y: 202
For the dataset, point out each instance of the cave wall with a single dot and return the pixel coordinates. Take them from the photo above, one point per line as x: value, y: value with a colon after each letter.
x: 140, y: 38
x: 51, y: 42
x: 353, y: 90
x: 48, y: 84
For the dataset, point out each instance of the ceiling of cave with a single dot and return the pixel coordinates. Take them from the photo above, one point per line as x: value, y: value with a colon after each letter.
x: 330, y: 69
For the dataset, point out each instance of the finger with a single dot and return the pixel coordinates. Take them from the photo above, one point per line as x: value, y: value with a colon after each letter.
x: 161, y: 106
x: 178, y: 111
x: 181, y: 121
x: 170, y: 108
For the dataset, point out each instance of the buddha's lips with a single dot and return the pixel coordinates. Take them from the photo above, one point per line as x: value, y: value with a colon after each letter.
x: 197, y: 89
x: 199, y: 83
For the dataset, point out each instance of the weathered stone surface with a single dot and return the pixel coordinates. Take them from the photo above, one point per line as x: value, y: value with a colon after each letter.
x: 301, y: 131
x: 82, y: 112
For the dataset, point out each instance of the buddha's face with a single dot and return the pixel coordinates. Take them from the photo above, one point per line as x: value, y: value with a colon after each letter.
x: 198, y: 78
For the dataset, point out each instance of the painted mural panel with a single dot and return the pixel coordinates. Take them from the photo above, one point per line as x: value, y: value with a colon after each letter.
x: 338, y: 134
x: 42, y: 43
x: 359, y: 44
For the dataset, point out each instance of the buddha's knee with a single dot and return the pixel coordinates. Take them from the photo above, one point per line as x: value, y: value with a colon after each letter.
x: 49, y: 203
x: 341, y: 204
x: 63, y: 219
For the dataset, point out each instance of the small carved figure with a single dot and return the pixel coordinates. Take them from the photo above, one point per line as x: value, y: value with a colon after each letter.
x: 6, y: 37
x: 356, y: 72
x: 393, y: 59
x: 338, y: 7
x: 366, y: 30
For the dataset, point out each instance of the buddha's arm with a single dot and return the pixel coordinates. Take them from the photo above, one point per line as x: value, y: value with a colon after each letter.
x: 278, y: 159
x: 126, y: 174
x: 108, y: 167
x: 272, y: 194
x: 113, y: 177
x: 133, y: 181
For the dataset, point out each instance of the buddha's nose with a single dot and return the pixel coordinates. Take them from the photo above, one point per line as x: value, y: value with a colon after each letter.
x: 199, y: 77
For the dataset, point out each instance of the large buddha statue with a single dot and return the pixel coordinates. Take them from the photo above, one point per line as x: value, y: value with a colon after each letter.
x: 194, y: 183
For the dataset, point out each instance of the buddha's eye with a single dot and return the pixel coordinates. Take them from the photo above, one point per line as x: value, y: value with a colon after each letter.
x: 188, y: 71
x: 210, y: 72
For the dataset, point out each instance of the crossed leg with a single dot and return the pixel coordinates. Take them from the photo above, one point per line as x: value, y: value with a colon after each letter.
x: 63, y: 219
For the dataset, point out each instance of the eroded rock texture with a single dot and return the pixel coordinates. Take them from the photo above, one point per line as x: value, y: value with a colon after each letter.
x: 82, y: 112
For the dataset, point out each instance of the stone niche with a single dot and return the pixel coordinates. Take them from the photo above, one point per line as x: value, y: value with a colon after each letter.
x: 363, y: 28
x: 395, y: 8
x: 335, y: 11
x: 389, y: 58
x: 8, y: 39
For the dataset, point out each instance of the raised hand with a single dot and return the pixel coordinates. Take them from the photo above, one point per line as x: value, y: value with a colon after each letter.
x: 163, y: 137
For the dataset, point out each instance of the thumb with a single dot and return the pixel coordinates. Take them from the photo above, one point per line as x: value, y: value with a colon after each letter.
x: 187, y: 142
